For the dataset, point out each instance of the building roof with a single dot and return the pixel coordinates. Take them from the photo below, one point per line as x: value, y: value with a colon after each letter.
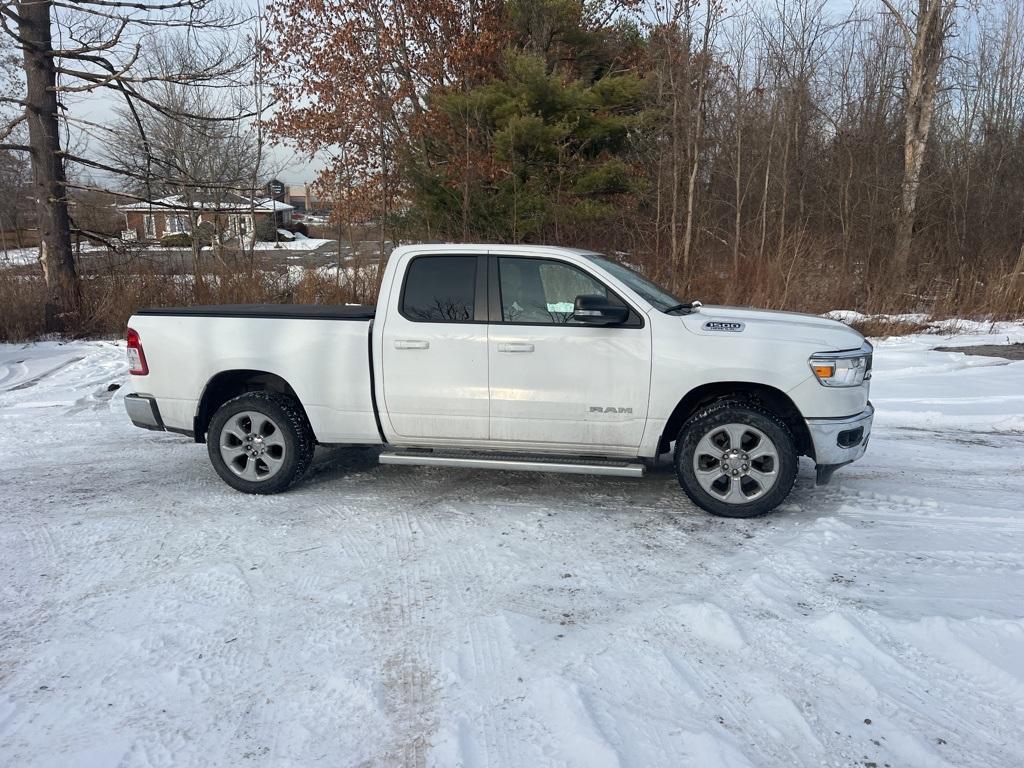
x: 206, y: 201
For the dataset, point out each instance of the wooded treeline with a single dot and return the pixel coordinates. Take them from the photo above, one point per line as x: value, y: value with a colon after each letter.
x: 775, y: 154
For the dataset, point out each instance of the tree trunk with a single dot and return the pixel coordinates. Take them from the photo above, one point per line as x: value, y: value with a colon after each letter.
x: 674, y: 197
x: 698, y: 139
x: 925, y: 59
x: 738, y: 214
x: 62, y: 308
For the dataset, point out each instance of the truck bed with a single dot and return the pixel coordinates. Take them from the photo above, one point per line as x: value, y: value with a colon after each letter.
x: 275, y: 311
x: 326, y: 363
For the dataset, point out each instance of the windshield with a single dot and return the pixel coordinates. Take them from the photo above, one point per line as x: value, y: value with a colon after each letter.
x: 660, y: 298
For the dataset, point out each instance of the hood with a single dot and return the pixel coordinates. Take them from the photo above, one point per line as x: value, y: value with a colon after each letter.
x: 826, y: 335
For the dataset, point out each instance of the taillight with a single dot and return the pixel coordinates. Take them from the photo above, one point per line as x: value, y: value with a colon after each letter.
x: 136, y: 357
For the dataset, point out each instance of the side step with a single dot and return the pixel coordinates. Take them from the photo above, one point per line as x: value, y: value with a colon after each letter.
x: 514, y: 463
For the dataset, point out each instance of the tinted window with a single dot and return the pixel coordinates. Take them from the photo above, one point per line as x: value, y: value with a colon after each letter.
x: 440, y: 289
x: 541, y: 291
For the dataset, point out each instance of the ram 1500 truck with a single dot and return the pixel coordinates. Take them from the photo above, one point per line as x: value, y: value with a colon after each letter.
x: 511, y: 357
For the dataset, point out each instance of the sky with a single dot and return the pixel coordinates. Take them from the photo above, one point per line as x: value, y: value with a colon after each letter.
x: 284, y: 162
x: 287, y: 164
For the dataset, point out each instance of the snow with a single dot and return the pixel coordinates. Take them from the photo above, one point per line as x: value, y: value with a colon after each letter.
x: 849, y: 316
x: 19, y: 256
x: 379, y: 615
x: 298, y: 244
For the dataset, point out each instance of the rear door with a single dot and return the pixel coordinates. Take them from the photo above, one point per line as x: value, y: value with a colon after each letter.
x: 434, y: 356
x: 556, y: 383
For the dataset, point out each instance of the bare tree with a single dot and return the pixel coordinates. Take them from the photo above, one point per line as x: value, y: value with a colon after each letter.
x: 99, y: 50
x: 924, y: 34
x: 188, y: 139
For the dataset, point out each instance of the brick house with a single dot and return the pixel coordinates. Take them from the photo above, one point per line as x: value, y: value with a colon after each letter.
x: 232, y: 214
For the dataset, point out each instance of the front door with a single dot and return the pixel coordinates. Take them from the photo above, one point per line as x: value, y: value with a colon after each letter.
x: 435, y: 352
x: 556, y: 383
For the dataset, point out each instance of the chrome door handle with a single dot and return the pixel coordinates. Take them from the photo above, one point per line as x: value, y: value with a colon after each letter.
x: 412, y: 344
x: 515, y: 347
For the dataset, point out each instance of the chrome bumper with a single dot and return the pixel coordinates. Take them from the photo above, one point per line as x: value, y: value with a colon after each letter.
x: 839, y: 441
x: 143, y: 412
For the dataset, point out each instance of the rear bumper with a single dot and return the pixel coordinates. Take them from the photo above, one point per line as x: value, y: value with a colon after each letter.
x: 839, y: 441
x: 143, y: 411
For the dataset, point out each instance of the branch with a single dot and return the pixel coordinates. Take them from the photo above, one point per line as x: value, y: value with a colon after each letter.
x: 10, y: 14
x: 126, y: 195
x: 121, y: 86
x: 908, y: 34
x: 114, y: 245
x: 93, y: 78
x: 15, y: 148
x: 217, y: 187
x: 114, y: 39
x: 190, y: 22
x: 9, y: 128
x: 13, y: 34
x: 194, y: 5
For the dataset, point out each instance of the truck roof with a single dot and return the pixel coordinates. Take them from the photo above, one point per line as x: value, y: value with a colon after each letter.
x: 520, y: 249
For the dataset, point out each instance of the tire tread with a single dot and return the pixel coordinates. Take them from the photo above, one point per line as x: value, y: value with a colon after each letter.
x: 756, y: 508
x: 295, y: 420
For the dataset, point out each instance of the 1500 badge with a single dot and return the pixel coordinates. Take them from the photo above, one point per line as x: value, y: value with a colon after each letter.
x: 719, y: 325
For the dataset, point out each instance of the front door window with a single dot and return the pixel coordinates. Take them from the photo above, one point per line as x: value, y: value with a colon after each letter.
x: 543, y: 292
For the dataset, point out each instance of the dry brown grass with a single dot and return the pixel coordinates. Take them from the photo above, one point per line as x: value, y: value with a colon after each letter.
x: 812, y: 275
x: 886, y: 326
x: 112, y: 292
x: 808, y: 276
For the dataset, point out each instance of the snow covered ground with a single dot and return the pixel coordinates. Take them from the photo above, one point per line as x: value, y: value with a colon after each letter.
x: 18, y: 256
x: 150, y: 616
x: 298, y: 244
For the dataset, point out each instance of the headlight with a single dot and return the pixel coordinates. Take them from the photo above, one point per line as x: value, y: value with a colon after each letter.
x: 842, y: 369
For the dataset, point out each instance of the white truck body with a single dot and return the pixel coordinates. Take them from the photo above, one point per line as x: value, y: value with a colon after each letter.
x: 493, y: 382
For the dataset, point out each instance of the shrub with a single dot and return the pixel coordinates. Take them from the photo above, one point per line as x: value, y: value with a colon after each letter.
x: 298, y: 226
x: 177, y: 240
x: 204, y: 232
x: 266, y: 230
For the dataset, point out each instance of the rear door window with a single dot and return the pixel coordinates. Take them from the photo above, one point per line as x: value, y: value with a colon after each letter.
x: 440, y: 289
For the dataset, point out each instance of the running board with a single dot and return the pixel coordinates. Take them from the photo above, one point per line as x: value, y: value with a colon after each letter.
x: 545, y: 464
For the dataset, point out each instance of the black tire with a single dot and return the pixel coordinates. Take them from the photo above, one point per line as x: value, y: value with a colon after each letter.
x: 727, y: 412
x: 290, y: 429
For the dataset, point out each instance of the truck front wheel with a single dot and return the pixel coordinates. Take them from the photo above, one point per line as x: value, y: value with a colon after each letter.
x: 736, y: 459
x: 260, y: 442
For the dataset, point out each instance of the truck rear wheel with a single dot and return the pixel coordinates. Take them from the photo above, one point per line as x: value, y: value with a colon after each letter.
x: 260, y: 442
x: 736, y: 459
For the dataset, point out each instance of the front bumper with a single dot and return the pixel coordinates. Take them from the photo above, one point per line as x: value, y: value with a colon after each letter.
x: 839, y: 441
x: 143, y: 412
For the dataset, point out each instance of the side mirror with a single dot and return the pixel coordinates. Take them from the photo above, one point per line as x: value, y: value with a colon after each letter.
x: 597, y: 310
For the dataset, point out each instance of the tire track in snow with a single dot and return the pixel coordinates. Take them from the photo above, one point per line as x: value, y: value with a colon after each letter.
x: 42, y: 375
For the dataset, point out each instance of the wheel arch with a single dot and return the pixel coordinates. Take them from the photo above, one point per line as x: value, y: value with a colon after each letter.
x: 763, y: 395
x: 230, y: 384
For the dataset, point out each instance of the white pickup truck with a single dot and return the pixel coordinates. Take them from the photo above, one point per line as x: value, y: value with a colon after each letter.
x: 511, y: 357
